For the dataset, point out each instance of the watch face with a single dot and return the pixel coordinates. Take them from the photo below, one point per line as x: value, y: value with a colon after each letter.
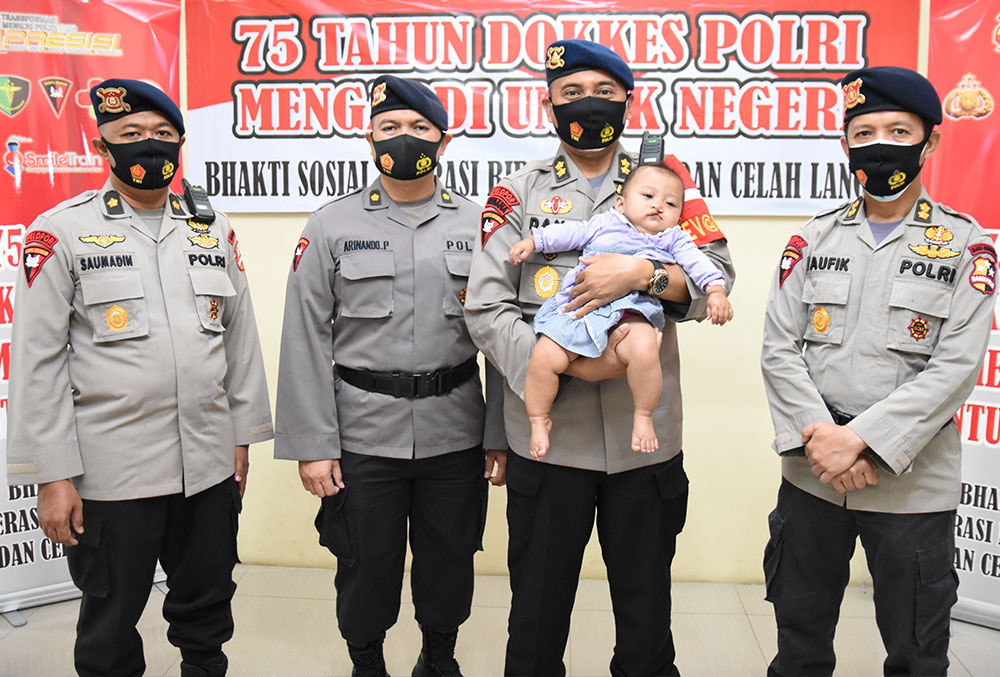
x: 660, y: 282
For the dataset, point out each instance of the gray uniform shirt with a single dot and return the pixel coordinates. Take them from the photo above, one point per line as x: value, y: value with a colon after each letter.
x: 591, y: 422
x: 135, y: 362
x: 371, y: 289
x: 893, y: 334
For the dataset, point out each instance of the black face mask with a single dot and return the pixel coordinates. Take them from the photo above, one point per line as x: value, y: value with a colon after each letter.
x: 149, y: 164
x: 589, y: 123
x: 406, y: 157
x: 885, y: 169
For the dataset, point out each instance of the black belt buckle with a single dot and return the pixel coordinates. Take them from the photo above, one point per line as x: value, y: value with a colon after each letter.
x: 402, y: 386
x: 427, y: 384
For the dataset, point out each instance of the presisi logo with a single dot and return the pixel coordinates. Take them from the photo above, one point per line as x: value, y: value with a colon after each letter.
x: 18, y: 160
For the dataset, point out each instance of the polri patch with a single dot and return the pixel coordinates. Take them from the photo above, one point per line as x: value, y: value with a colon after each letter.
x: 499, y: 203
x: 300, y: 249
x: 546, y: 282
x: 983, y: 249
x: 983, y: 275
x: 38, y: 248
x: 790, y: 257
x: 237, y: 257
x: 918, y: 328
x: 820, y: 320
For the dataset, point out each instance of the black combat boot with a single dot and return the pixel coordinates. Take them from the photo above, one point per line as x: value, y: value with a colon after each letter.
x: 437, y: 657
x: 368, y: 659
x: 213, y: 667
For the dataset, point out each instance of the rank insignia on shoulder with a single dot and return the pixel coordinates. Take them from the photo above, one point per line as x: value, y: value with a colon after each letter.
x: 38, y: 248
x: 855, y: 206
x: 113, y: 204
x: 923, y: 211
x: 560, y: 168
x: 300, y: 249
x: 445, y: 196
x: 374, y: 198
x: 624, y: 166
x: 204, y: 241
x: 175, y: 206
x: 790, y: 257
x: 103, y: 241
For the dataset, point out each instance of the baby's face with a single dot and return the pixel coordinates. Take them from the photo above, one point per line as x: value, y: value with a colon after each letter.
x: 652, y: 200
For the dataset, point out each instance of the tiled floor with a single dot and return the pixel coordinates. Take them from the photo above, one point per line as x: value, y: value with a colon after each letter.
x: 285, y: 627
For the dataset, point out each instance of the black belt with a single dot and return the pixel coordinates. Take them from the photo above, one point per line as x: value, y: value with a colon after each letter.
x: 426, y: 384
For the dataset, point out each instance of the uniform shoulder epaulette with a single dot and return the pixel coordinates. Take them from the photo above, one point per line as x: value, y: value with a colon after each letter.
x: 830, y: 211
x: 340, y: 198
x: 965, y: 217
x: 534, y: 166
x: 80, y: 199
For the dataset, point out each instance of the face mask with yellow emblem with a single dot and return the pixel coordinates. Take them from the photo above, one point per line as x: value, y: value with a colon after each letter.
x: 885, y: 169
x: 406, y: 157
x: 590, y: 123
x: 149, y: 164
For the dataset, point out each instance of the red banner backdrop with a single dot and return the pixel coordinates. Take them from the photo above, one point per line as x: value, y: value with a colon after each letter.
x: 745, y: 91
x: 51, y: 53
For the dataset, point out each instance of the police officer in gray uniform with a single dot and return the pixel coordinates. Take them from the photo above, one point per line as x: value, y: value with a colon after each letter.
x: 393, y: 434
x: 136, y: 387
x: 640, y: 500
x: 876, y: 325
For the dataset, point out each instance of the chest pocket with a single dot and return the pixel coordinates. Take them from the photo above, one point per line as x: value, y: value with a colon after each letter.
x: 116, y: 305
x: 367, y: 284
x: 456, y: 286
x: 211, y: 289
x: 916, y: 313
x: 826, y: 295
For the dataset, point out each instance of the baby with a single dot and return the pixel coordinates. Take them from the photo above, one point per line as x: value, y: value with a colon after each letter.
x: 644, y: 224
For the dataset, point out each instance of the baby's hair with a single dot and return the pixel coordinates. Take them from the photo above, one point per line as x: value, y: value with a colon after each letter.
x: 662, y: 168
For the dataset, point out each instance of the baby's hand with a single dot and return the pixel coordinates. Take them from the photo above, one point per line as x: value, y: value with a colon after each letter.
x: 720, y: 310
x: 520, y: 251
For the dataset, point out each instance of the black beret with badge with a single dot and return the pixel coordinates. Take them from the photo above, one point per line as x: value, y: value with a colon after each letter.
x: 116, y: 98
x: 392, y: 93
x: 565, y: 57
x: 883, y: 88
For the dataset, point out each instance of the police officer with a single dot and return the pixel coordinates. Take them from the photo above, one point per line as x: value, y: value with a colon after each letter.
x: 875, y: 330
x: 136, y: 387
x: 640, y: 499
x: 394, y: 433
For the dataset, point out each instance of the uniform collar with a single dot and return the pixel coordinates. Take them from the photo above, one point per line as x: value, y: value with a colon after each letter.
x: 115, y: 207
x: 375, y: 197
x: 565, y: 171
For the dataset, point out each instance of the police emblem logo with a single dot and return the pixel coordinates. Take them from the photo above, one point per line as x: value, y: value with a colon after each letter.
x: 378, y: 94
x: 168, y: 169
x: 112, y: 100
x: 39, y: 246
x: 983, y: 275
x: 14, y: 92
x: 556, y: 205
x: 575, y: 130
x: 103, y: 241
x: 852, y: 94
x: 968, y: 100
x: 424, y: 163
x: 300, y: 249
x: 57, y: 92
x: 607, y: 134
x: 499, y: 203
x: 820, y: 320
x: 937, y: 237
x: 554, y: 57
x: 204, y: 241
x: 116, y: 317
x: 198, y: 226
x: 918, y: 328
x: 386, y: 161
x: 790, y: 258
x: 897, y: 179
x: 213, y: 309
x: 138, y: 173
x: 546, y: 282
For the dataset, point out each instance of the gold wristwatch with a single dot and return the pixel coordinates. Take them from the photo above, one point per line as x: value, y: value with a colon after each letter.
x: 661, y: 278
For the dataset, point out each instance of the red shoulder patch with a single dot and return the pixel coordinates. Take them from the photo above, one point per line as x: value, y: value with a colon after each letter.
x: 300, y: 249
x: 237, y: 257
x: 791, y: 257
x: 499, y: 203
x: 38, y: 248
x: 982, y: 249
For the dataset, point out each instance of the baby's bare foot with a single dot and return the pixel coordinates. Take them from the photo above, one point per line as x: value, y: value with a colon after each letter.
x: 643, y: 435
x: 540, y: 427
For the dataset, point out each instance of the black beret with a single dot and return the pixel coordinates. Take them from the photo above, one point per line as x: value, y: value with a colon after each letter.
x: 890, y: 88
x: 392, y: 93
x: 117, y: 98
x: 571, y: 56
